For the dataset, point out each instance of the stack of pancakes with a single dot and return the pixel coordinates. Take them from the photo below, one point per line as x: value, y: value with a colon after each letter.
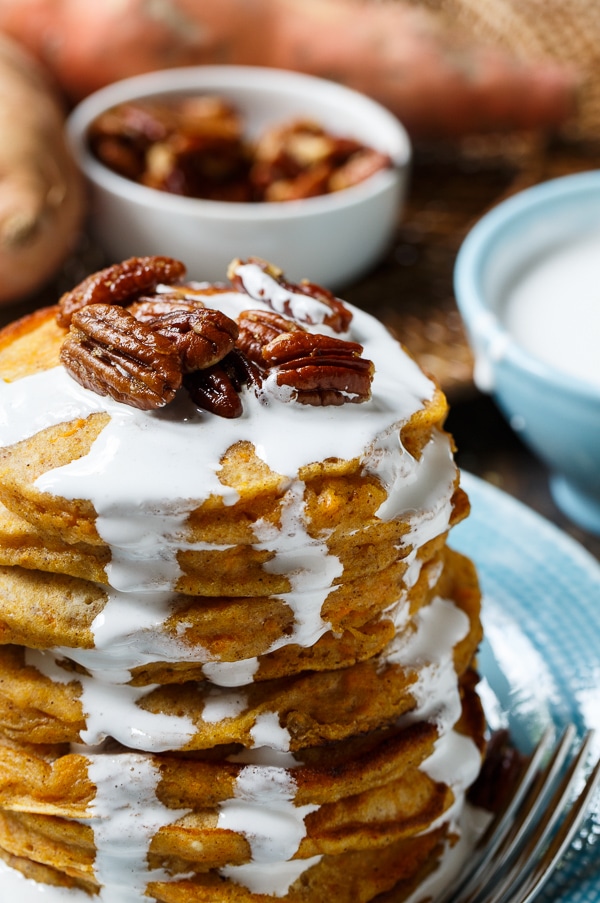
x: 237, y: 654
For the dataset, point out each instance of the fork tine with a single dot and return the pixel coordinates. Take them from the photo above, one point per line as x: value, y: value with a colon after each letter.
x: 518, y: 861
x: 561, y: 840
x: 509, y: 860
x: 498, y: 831
x: 502, y: 825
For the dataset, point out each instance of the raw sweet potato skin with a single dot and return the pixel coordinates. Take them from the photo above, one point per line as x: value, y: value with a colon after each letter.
x: 41, y: 190
x: 437, y: 83
x: 88, y: 45
x: 400, y: 55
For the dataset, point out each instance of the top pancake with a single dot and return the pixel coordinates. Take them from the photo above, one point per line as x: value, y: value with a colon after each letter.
x: 341, y: 498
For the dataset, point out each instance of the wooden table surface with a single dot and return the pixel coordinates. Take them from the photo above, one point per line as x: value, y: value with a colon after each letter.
x: 411, y: 291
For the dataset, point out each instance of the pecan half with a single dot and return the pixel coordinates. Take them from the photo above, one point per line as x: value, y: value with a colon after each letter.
x: 321, y: 369
x: 120, y: 284
x: 110, y: 352
x: 216, y: 389
x: 258, y: 328
x: 121, y: 136
x: 309, y: 184
x: 300, y: 159
x: 196, y: 146
x: 340, y: 317
x: 362, y: 165
x: 304, y: 302
x: 203, y: 336
x: 148, y: 308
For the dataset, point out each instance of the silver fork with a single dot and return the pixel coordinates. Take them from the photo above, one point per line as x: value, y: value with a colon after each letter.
x: 526, y: 841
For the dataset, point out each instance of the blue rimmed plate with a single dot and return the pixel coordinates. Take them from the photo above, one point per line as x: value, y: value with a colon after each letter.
x: 540, y: 659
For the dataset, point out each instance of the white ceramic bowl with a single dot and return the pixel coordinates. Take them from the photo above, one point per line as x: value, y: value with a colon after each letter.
x: 331, y: 239
x: 545, y: 375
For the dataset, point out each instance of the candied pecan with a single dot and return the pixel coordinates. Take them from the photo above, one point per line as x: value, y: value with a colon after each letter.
x: 121, y: 136
x: 357, y: 168
x: 121, y: 284
x: 243, y: 371
x: 290, y: 346
x: 195, y: 146
x: 203, y: 336
x: 216, y: 389
x: 204, y: 156
x: 300, y: 160
x: 195, y: 166
x: 110, y: 352
x: 146, y: 309
x: 142, y: 122
x: 213, y: 391
x: 288, y: 298
x: 340, y: 317
x: 322, y: 370
x: 258, y: 328
x: 120, y: 155
x: 210, y: 115
x: 290, y: 152
x: 308, y: 184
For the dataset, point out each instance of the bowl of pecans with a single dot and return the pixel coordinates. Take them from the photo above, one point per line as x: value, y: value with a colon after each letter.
x: 208, y: 163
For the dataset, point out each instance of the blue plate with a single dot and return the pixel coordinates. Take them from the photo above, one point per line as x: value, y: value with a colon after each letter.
x: 540, y: 660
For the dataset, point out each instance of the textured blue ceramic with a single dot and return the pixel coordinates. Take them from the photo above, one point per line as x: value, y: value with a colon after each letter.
x: 540, y: 659
x: 556, y: 415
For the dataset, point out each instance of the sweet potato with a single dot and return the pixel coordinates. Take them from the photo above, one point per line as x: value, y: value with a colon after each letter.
x: 435, y: 82
x: 41, y: 192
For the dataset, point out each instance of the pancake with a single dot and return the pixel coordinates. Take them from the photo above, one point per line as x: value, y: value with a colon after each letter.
x: 396, y: 799
x: 363, y: 617
x: 237, y: 654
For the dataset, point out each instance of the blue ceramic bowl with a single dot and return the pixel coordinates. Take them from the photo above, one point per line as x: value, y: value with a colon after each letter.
x: 556, y: 413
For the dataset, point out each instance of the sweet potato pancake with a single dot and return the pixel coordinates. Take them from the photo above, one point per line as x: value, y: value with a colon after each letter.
x: 237, y: 655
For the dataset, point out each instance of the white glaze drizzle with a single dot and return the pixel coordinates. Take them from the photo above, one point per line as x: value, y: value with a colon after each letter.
x: 428, y: 649
x: 306, y: 562
x: 437, y: 697
x: 129, y: 631
x: 185, y: 447
x: 125, y: 816
x: 259, y: 285
x: 263, y: 810
x: 113, y: 710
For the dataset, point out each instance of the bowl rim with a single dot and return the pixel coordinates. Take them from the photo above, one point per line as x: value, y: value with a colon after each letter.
x: 245, y: 78
x: 483, y: 324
